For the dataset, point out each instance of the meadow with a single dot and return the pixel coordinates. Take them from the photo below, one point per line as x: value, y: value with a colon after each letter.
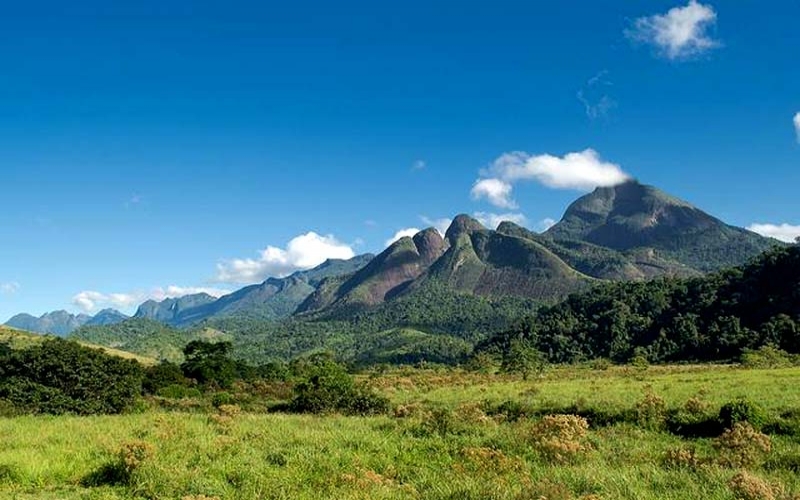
x: 635, y: 433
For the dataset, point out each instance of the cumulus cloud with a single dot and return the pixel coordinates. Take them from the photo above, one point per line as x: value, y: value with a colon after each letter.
x: 783, y: 232
x: 584, y: 171
x: 302, y: 252
x: 680, y: 33
x: 91, y: 300
x: 797, y: 125
x: 408, y: 231
x: 492, y: 220
x: 496, y: 191
x: 9, y: 288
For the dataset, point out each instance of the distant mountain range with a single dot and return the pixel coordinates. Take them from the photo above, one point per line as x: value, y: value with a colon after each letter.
x: 62, y: 323
x: 627, y: 232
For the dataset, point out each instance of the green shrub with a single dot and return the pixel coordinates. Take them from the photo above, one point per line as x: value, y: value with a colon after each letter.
x: 742, y: 410
x: 767, y: 356
x: 59, y: 376
x: 328, y: 387
x: 222, y: 398
x: 164, y: 374
x: 176, y: 391
x: 651, y: 411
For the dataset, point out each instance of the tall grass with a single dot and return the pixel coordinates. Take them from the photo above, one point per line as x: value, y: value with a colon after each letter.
x: 445, y: 443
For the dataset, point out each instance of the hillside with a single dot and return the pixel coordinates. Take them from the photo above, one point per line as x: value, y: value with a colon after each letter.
x: 144, y: 337
x: 19, y: 339
x: 714, y: 317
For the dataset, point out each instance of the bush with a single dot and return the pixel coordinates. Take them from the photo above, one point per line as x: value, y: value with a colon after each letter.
x: 651, y: 411
x: 59, y: 376
x: 742, y: 410
x: 742, y: 446
x: 767, y: 356
x: 222, y: 398
x: 162, y: 375
x: 329, y: 388
x: 746, y: 486
x: 178, y: 392
x: 559, y: 438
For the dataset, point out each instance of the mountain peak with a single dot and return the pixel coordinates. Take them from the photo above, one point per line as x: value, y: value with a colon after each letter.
x: 632, y: 215
x: 462, y: 223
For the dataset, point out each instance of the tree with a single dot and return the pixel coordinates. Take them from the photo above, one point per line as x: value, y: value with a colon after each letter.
x: 59, y: 376
x: 210, y: 363
x: 522, y: 357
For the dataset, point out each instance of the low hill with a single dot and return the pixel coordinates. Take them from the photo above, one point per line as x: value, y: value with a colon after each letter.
x: 19, y: 339
x: 144, y: 337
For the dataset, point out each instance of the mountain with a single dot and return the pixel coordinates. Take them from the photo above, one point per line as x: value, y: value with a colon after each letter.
x: 107, y: 317
x: 385, y: 275
x: 467, y: 284
x: 275, y: 298
x: 492, y: 263
x: 470, y: 259
x: 636, y: 216
x: 169, y: 310
x: 58, y: 323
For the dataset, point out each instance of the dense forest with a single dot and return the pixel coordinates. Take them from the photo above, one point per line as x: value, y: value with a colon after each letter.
x: 711, y: 318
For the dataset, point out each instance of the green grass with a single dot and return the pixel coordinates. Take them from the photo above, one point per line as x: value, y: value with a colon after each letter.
x: 454, y: 453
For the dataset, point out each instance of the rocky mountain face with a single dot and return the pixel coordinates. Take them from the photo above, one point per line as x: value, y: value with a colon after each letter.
x: 106, y: 317
x: 275, y: 298
x: 627, y: 232
x: 634, y: 216
x: 58, y: 323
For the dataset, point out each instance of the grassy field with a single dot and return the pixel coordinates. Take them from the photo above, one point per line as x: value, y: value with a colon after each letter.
x: 452, y: 435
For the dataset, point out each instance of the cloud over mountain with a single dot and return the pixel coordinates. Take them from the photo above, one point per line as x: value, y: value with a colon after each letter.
x: 302, y: 252
x: 91, y: 300
x: 783, y: 232
x: 583, y: 171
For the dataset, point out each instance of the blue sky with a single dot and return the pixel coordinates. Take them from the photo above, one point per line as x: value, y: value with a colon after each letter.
x: 156, y: 148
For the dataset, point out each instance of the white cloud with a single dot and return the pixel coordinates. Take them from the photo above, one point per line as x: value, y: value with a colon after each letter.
x: 302, y: 252
x: 492, y: 220
x: 9, y: 288
x: 783, y: 232
x: 418, y: 165
x: 545, y: 224
x: 91, y: 300
x: 680, y: 33
x: 583, y: 171
x: 797, y: 125
x: 440, y: 224
x: 409, y: 231
x: 496, y: 191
